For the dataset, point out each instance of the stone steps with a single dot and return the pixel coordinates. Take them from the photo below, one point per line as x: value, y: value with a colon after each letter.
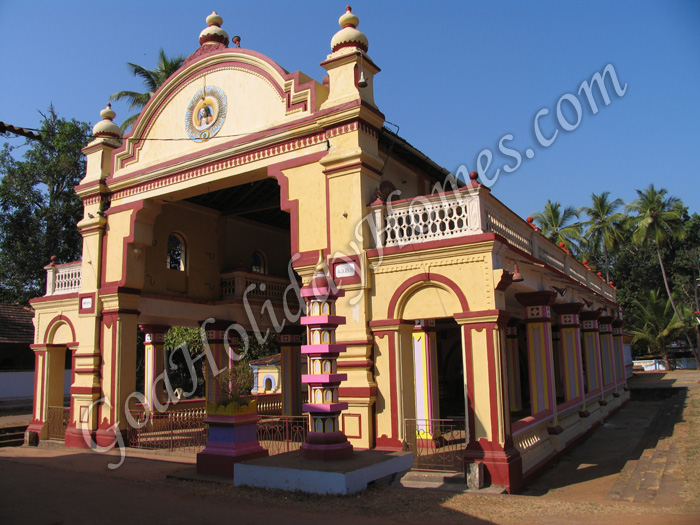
x: 12, y: 436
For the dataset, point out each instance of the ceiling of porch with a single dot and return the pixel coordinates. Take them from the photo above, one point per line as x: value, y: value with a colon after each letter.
x: 257, y: 201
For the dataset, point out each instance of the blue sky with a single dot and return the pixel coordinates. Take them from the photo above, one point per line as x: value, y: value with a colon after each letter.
x: 456, y: 77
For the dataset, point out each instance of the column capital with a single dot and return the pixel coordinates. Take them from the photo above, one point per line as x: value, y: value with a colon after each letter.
x: 499, y: 317
x: 543, y: 298
x: 154, y: 328
x: 425, y: 325
x: 568, y: 314
x: 291, y: 335
x: 216, y: 330
x: 388, y: 325
x: 589, y: 320
x: 605, y: 323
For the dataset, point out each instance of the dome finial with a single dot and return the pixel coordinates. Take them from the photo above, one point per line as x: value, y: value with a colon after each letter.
x: 214, y: 34
x: 349, y: 35
x: 105, y: 127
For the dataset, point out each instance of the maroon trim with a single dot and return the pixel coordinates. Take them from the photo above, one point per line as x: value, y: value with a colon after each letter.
x: 49, y: 298
x: 346, y: 259
x: 469, y: 370
x: 53, y: 322
x: 357, y: 391
x: 359, y: 425
x: 360, y: 342
x: 222, y: 63
x: 365, y: 363
x: 427, y: 278
x: 135, y: 207
x: 91, y: 309
x: 276, y: 171
x: 414, y: 247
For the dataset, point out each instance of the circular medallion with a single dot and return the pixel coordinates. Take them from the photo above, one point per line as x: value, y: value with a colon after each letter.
x: 206, y: 113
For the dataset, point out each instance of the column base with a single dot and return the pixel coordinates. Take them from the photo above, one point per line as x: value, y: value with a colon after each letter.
x: 232, y: 438
x: 79, y: 438
x: 502, y: 464
x: 107, y: 437
x: 220, y: 459
x: 326, y: 447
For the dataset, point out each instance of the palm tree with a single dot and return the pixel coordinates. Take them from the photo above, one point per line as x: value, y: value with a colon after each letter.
x: 555, y: 224
x: 603, y: 225
x: 654, y: 324
x: 152, y: 80
x: 658, y: 219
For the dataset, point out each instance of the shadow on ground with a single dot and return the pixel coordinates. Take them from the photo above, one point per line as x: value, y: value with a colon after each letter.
x: 590, y: 468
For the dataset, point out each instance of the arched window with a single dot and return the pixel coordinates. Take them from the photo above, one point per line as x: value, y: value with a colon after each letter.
x: 257, y: 263
x: 176, y: 253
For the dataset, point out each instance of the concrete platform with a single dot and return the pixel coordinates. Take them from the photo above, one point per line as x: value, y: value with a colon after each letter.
x: 290, y: 472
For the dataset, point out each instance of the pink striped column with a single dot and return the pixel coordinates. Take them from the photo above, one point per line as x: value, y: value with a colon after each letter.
x: 591, y: 352
x: 618, y: 352
x: 513, y: 370
x: 606, y: 351
x: 325, y: 441
x: 570, y: 349
x: 538, y: 318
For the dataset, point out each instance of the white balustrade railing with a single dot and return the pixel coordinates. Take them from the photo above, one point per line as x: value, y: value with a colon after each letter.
x: 234, y: 285
x: 440, y: 216
x: 63, y: 278
x: 532, y: 436
x: 467, y: 212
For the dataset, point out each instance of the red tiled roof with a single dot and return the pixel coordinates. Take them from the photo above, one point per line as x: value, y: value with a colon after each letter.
x: 269, y: 360
x: 16, y: 324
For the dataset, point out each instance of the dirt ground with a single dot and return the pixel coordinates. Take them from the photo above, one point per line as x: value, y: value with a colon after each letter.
x: 59, y: 486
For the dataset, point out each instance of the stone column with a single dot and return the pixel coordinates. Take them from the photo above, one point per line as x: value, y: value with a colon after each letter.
x: 591, y: 352
x: 154, y: 363
x: 290, y: 373
x: 570, y: 349
x: 513, y: 368
x: 618, y: 352
x: 538, y: 317
x: 606, y: 351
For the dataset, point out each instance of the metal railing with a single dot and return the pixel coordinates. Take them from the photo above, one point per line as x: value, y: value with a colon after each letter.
x: 280, y: 434
x: 437, y: 444
x: 177, y: 429
x: 58, y: 419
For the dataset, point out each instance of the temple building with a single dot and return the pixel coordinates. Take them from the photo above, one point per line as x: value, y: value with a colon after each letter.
x: 455, y: 322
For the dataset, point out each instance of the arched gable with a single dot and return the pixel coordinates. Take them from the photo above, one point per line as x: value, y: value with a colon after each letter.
x: 259, y: 97
x: 425, y: 296
x: 59, y: 331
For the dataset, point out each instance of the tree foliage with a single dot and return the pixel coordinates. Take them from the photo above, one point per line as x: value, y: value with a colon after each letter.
x: 556, y: 225
x: 152, y: 79
x: 39, y: 207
